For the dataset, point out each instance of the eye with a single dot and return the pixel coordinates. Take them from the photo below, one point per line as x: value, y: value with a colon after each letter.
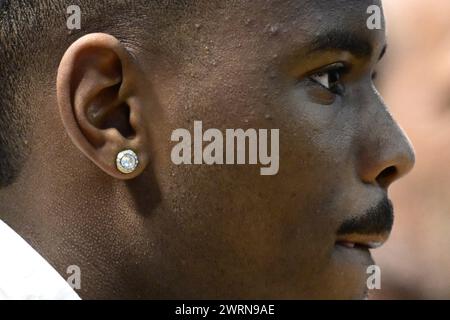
x: 330, y: 78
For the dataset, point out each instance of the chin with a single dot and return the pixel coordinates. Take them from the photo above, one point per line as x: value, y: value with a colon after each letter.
x: 347, y: 274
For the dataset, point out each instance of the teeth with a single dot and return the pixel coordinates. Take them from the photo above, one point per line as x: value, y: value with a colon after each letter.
x: 351, y: 245
x: 347, y: 244
x: 374, y: 245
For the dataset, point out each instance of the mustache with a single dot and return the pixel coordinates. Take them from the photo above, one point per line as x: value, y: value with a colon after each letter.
x: 376, y: 220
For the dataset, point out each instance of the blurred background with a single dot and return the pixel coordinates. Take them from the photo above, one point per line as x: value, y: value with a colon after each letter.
x: 414, y: 80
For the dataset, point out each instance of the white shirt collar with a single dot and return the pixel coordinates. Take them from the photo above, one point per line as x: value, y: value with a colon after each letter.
x: 25, y: 274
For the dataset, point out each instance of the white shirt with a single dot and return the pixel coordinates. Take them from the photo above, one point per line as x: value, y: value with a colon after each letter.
x: 25, y: 274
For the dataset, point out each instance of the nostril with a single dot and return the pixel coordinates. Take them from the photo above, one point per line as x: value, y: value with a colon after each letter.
x: 387, y: 176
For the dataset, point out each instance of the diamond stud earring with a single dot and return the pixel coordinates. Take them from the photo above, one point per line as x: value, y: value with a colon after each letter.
x: 127, y: 161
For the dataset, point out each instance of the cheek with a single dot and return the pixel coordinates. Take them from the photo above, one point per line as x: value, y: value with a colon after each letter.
x: 271, y: 224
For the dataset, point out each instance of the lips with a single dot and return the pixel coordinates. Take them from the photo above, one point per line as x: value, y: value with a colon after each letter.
x: 368, y: 230
x: 362, y: 241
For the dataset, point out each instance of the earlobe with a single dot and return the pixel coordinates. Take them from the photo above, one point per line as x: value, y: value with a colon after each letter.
x: 100, y: 105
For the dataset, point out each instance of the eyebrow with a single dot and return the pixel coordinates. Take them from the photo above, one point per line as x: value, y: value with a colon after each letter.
x: 354, y: 43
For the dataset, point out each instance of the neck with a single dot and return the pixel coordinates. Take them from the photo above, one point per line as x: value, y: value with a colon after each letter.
x: 69, y: 225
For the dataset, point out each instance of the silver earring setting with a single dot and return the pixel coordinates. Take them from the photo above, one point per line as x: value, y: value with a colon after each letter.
x: 127, y: 161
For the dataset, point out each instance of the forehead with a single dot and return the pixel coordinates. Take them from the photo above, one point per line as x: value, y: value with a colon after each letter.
x: 289, y: 25
x: 303, y: 12
x: 329, y: 9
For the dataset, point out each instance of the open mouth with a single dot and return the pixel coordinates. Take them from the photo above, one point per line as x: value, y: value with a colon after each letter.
x: 355, y: 245
x: 369, y: 230
x: 362, y: 241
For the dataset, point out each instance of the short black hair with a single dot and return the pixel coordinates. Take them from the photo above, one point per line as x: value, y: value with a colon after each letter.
x: 33, y: 39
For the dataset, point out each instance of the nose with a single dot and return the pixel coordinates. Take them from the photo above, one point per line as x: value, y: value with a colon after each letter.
x: 386, y: 153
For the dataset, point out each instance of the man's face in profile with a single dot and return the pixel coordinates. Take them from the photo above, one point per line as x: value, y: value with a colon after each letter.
x: 225, y: 231
x: 306, y: 69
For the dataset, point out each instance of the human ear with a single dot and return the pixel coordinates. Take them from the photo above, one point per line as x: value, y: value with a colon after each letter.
x: 100, y: 104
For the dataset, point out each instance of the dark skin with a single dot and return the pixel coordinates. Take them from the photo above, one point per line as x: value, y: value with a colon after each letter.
x: 168, y: 231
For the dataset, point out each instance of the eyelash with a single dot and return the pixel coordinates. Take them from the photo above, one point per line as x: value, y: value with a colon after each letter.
x: 334, y: 72
x: 338, y: 70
